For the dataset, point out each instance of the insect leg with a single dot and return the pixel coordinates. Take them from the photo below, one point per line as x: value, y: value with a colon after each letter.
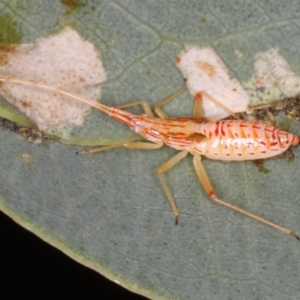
x: 265, y: 105
x: 164, y: 168
x: 144, y: 145
x: 129, y: 144
x: 143, y: 103
x: 218, y: 103
x: 202, y: 175
x: 197, y: 109
x: 158, y: 106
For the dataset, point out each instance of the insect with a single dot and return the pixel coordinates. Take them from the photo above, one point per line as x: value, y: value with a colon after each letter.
x: 228, y: 140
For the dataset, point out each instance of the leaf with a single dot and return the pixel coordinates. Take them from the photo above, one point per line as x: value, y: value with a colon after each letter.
x: 108, y: 210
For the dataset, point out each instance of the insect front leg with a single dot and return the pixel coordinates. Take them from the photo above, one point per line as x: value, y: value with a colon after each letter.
x: 158, y: 106
x: 129, y: 144
x: 130, y: 141
x: 146, y: 107
x: 202, y: 175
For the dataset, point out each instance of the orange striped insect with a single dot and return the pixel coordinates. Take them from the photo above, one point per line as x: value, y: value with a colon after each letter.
x: 229, y: 140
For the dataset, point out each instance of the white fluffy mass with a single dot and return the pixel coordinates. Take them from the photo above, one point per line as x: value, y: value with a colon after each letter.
x: 273, y: 71
x: 205, y: 71
x: 64, y: 60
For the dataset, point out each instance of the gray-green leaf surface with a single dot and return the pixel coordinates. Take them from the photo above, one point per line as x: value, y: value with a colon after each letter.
x: 108, y: 210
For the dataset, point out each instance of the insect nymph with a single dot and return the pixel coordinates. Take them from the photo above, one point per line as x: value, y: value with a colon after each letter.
x: 229, y: 140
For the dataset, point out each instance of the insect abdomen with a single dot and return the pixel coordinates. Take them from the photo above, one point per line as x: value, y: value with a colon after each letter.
x: 243, y: 140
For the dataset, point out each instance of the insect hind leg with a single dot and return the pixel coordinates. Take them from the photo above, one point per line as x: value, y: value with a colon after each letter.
x: 203, y: 177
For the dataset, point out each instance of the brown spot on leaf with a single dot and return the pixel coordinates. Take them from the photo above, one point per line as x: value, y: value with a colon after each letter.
x: 25, y: 104
x: 177, y: 59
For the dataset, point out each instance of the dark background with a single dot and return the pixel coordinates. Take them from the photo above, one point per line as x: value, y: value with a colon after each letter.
x: 33, y: 266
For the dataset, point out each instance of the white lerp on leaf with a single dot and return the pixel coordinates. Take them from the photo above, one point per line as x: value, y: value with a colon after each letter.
x: 273, y: 72
x: 204, y: 71
x: 64, y: 60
